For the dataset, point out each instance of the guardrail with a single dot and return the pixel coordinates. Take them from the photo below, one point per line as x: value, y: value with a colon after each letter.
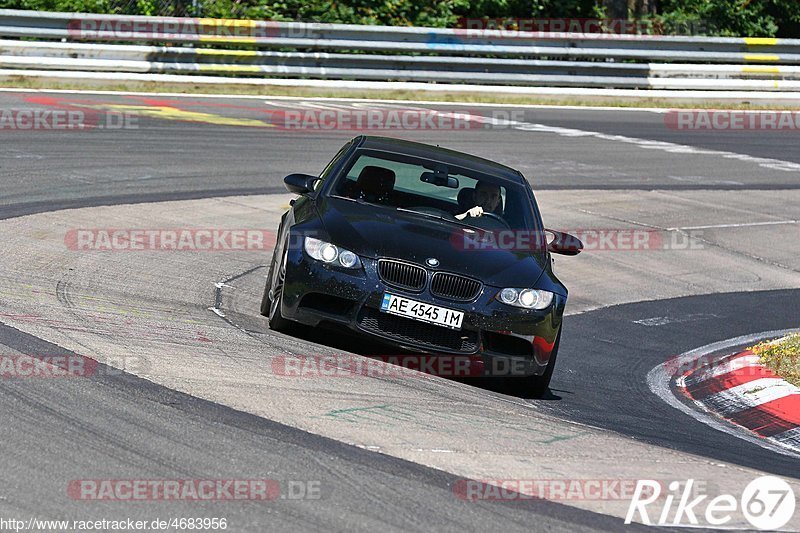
x: 394, y: 53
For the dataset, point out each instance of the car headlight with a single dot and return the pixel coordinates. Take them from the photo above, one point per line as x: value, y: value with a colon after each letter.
x: 330, y: 253
x: 526, y: 298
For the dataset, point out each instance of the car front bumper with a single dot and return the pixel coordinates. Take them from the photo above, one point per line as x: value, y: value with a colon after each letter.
x: 506, y: 340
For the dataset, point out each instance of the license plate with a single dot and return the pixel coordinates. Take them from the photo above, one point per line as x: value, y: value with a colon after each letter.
x: 433, y: 314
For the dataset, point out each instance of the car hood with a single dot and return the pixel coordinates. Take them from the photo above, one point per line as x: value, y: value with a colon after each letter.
x: 375, y: 232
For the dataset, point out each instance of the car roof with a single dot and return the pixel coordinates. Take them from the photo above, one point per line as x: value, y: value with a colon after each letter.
x: 436, y: 153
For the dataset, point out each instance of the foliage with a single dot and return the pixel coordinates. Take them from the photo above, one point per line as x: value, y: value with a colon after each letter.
x: 751, y: 18
x: 782, y: 356
x: 754, y: 18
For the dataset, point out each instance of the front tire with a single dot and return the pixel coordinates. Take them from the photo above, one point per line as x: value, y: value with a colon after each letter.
x: 271, y: 306
x: 535, y: 386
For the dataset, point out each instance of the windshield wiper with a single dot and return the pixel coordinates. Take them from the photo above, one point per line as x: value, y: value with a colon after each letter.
x: 439, y: 217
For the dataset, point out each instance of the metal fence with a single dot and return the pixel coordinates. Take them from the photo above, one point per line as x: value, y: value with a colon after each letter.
x: 109, y: 43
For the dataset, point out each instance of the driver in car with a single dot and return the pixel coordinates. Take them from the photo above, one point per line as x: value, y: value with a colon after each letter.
x: 486, y: 198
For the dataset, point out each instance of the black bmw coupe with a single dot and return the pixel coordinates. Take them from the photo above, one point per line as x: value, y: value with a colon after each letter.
x: 427, y: 249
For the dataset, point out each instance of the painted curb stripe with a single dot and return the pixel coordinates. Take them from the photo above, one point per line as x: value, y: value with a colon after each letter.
x: 763, y: 390
x: 728, y: 403
x: 742, y: 390
x: 724, y: 382
x: 748, y: 396
x: 789, y: 438
x: 664, y: 382
x: 716, y: 369
x: 772, y: 418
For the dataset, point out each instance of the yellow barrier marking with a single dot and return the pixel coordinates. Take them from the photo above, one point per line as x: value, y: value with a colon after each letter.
x: 228, y: 68
x: 214, y: 52
x: 238, y: 23
x: 227, y: 40
x: 762, y: 70
x: 761, y: 57
x: 760, y: 41
x: 173, y: 113
x: 227, y: 31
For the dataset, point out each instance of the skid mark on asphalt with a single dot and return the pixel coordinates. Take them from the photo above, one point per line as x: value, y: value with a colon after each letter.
x: 281, y: 343
x: 705, y: 180
x: 217, y: 307
x: 12, y: 153
x: 743, y: 225
x: 664, y: 320
x: 388, y: 415
x: 104, y: 317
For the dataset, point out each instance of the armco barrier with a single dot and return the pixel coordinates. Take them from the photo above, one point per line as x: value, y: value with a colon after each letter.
x: 92, y: 43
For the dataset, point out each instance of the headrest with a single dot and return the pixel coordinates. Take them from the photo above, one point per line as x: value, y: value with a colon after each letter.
x: 465, y: 198
x: 377, y: 181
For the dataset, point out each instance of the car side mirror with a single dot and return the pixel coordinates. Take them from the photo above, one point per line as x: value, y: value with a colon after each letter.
x: 562, y: 243
x: 300, y: 183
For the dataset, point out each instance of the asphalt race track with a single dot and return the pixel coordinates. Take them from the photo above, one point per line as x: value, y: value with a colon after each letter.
x: 616, y: 378
x: 200, y: 400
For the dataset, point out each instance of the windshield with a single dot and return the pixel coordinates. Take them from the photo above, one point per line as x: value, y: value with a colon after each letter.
x: 432, y: 188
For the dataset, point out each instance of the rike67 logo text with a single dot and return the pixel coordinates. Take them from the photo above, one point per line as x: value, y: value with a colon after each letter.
x: 767, y: 503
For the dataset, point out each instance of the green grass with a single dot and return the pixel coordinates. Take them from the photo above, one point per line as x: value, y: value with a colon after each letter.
x: 310, y: 92
x: 782, y: 357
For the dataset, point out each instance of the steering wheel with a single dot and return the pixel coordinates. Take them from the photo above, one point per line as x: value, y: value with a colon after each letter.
x: 495, y: 216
